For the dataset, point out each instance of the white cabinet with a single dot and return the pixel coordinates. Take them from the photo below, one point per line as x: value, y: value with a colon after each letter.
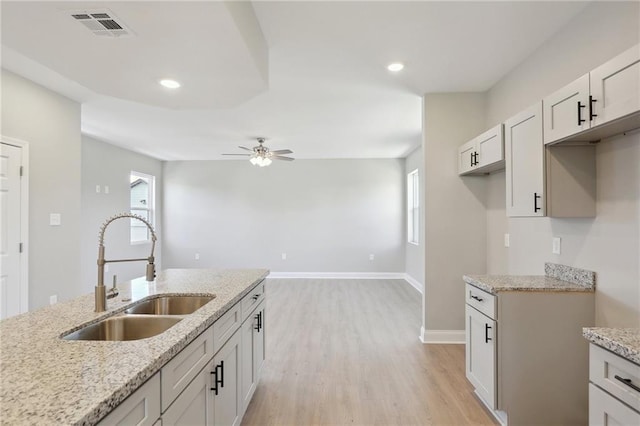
x: 141, y: 407
x: 614, y: 391
x: 227, y: 400
x: 194, y: 405
x: 481, y: 354
x: 253, y: 339
x: 525, y: 355
x: 483, y: 154
x: 602, y: 103
x: 525, y: 163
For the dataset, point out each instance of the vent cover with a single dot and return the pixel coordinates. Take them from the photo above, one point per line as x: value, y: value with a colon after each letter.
x: 102, y: 22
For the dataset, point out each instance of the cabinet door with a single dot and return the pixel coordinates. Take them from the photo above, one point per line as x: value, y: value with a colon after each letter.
x: 566, y: 111
x: 615, y: 87
x: 227, y: 403
x: 490, y: 147
x: 466, y: 157
x: 141, y: 407
x: 259, y: 343
x: 524, y: 155
x: 247, y: 376
x: 481, y: 354
x: 193, y: 406
x: 607, y: 411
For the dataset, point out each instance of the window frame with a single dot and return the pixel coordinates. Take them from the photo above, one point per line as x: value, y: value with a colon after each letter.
x: 413, y: 207
x: 150, y: 209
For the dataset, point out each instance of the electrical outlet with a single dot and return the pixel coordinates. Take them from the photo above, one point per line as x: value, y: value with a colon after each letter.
x: 555, y: 246
x: 55, y: 219
x: 197, y: 256
x: 284, y: 256
x: 372, y: 256
x: 53, y: 299
x: 507, y: 240
x: 97, y: 189
x: 106, y: 189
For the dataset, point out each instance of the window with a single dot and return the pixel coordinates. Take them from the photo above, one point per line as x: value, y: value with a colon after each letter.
x: 413, y: 207
x: 142, y: 204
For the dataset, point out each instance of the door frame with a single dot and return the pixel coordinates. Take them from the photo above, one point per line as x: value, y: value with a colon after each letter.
x: 24, y: 219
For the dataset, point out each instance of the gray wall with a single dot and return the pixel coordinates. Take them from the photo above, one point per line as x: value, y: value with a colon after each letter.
x: 326, y: 215
x: 414, y: 262
x: 608, y: 244
x: 105, y: 164
x: 455, y: 218
x: 50, y: 123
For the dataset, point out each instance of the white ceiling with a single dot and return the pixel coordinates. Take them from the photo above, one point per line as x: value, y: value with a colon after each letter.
x: 309, y: 76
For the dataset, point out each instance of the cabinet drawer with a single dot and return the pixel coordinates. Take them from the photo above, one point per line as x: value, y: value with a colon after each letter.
x: 141, y: 407
x: 179, y: 372
x: 251, y: 300
x: 481, y: 300
x: 610, y: 371
x: 605, y: 410
x: 225, y: 326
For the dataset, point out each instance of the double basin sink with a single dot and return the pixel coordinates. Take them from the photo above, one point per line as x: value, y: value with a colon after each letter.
x: 144, y: 319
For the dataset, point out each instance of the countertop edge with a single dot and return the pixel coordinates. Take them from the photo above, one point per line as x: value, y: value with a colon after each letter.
x: 595, y: 336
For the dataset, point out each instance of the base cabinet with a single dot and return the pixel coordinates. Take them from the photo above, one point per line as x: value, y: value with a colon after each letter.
x: 193, y: 406
x: 605, y: 410
x: 141, y: 407
x: 481, y: 354
x: 253, y: 337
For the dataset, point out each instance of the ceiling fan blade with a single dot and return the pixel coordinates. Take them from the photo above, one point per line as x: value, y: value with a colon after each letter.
x: 282, y: 151
x: 278, y: 157
x: 244, y: 147
x: 244, y: 155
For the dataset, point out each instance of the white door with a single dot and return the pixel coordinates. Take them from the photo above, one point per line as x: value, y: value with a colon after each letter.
x: 481, y: 354
x: 566, y: 111
x: 524, y: 163
x: 10, y: 229
x: 615, y: 87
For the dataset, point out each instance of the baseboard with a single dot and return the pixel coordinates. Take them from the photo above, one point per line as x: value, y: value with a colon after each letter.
x: 414, y: 283
x: 341, y: 275
x: 442, y: 336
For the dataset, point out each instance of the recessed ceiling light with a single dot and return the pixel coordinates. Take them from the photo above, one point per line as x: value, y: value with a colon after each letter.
x: 170, y: 84
x: 395, y: 67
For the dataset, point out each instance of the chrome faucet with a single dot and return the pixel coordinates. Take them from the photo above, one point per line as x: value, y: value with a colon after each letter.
x: 101, y: 293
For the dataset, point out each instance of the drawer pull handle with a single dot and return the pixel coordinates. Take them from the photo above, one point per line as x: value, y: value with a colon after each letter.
x: 591, y: 114
x: 627, y: 382
x: 255, y: 297
x: 217, y: 381
x: 580, y: 119
x: 536, y: 209
x: 479, y: 299
x: 486, y: 333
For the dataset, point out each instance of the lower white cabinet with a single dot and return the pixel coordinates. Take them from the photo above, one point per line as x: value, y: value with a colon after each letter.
x: 605, y: 410
x: 253, y: 354
x: 227, y: 402
x: 141, y: 408
x: 193, y: 406
x: 481, y: 354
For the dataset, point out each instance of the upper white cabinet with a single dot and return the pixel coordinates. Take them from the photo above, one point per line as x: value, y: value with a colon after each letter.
x: 482, y: 154
x: 602, y: 103
x: 525, y: 163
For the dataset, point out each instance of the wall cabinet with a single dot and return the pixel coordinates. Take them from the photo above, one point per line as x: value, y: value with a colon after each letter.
x: 554, y: 181
x: 525, y: 354
x: 482, y: 154
x: 602, y: 103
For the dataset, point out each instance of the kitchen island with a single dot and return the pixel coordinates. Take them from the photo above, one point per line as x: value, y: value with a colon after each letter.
x: 48, y: 380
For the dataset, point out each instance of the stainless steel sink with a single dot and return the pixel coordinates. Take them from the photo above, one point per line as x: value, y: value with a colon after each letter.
x: 125, y: 327
x: 170, y: 305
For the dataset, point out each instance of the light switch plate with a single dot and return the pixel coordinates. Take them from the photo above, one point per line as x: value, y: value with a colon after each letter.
x: 284, y: 256
x: 507, y: 240
x: 106, y: 189
x: 55, y: 219
x: 555, y: 247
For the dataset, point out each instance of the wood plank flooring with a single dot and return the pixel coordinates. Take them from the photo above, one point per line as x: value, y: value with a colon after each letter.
x: 347, y: 352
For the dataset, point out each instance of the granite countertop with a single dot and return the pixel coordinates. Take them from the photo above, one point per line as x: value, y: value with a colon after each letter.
x: 47, y: 380
x: 557, y: 278
x: 622, y: 341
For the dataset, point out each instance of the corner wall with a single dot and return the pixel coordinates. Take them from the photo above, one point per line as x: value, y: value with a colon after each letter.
x: 50, y: 123
x: 455, y: 218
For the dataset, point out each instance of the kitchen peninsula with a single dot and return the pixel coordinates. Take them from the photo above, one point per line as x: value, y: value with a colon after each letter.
x: 48, y: 380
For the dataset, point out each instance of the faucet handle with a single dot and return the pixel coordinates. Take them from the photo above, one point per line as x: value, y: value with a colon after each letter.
x: 113, y: 292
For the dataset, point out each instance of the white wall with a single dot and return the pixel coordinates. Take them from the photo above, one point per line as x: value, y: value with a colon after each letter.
x: 105, y: 164
x: 455, y: 218
x: 414, y: 254
x: 50, y: 123
x: 609, y: 243
x: 326, y: 215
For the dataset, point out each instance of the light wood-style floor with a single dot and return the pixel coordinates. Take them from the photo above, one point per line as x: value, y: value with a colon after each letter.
x: 347, y: 352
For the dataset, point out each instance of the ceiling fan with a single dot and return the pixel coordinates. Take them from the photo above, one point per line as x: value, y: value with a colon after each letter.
x: 262, y: 156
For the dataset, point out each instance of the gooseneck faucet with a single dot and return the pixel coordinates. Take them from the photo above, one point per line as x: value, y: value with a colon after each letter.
x: 101, y: 293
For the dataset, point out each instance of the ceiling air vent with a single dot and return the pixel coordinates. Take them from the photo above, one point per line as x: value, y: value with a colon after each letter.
x: 102, y: 23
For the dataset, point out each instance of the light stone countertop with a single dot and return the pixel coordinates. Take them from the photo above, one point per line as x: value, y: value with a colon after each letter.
x: 47, y: 380
x: 557, y: 278
x: 622, y: 341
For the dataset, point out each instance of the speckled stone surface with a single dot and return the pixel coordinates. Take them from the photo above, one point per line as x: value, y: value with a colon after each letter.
x: 571, y: 274
x: 48, y: 380
x: 497, y: 283
x: 622, y: 341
